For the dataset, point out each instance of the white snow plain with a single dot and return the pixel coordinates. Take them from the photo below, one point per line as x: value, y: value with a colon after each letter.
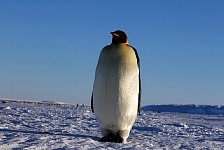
x: 41, y: 126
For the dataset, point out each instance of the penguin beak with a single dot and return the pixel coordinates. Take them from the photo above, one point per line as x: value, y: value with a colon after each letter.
x: 114, y: 34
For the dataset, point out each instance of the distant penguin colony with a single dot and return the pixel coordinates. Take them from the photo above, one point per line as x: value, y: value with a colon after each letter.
x: 117, y: 89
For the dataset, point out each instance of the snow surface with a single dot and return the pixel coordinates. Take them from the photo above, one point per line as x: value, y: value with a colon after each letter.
x: 41, y: 126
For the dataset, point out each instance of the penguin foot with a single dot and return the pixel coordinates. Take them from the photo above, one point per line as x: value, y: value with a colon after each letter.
x: 118, y: 139
x: 108, y: 138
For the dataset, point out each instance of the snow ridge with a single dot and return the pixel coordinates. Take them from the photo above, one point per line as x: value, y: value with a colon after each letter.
x: 191, y: 109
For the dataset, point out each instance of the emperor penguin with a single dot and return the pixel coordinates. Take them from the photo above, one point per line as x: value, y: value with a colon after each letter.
x: 116, y: 92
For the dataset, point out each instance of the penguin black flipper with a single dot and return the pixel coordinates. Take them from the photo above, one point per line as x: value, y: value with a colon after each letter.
x: 140, y: 89
x: 92, y: 103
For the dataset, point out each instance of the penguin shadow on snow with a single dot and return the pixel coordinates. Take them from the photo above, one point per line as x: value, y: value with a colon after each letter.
x: 50, y: 133
x: 150, y: 129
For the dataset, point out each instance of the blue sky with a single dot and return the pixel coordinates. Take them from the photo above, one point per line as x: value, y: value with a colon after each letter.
x: 49, y: 49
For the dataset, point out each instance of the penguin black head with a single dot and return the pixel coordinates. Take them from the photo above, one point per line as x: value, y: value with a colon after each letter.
x: 119, y: 37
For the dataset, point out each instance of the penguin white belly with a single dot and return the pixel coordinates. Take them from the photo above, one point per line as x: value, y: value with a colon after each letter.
x: 116, y: 88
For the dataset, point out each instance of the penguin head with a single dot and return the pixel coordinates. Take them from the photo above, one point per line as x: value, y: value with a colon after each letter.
x: 119, y: 37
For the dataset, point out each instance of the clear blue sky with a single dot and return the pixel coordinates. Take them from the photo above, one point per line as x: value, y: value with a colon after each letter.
x: 49, y: 49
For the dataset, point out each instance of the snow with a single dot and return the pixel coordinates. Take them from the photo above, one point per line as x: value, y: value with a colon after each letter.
x: 192, y: 109
x: 40, y: 126
x: 7, y: 108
